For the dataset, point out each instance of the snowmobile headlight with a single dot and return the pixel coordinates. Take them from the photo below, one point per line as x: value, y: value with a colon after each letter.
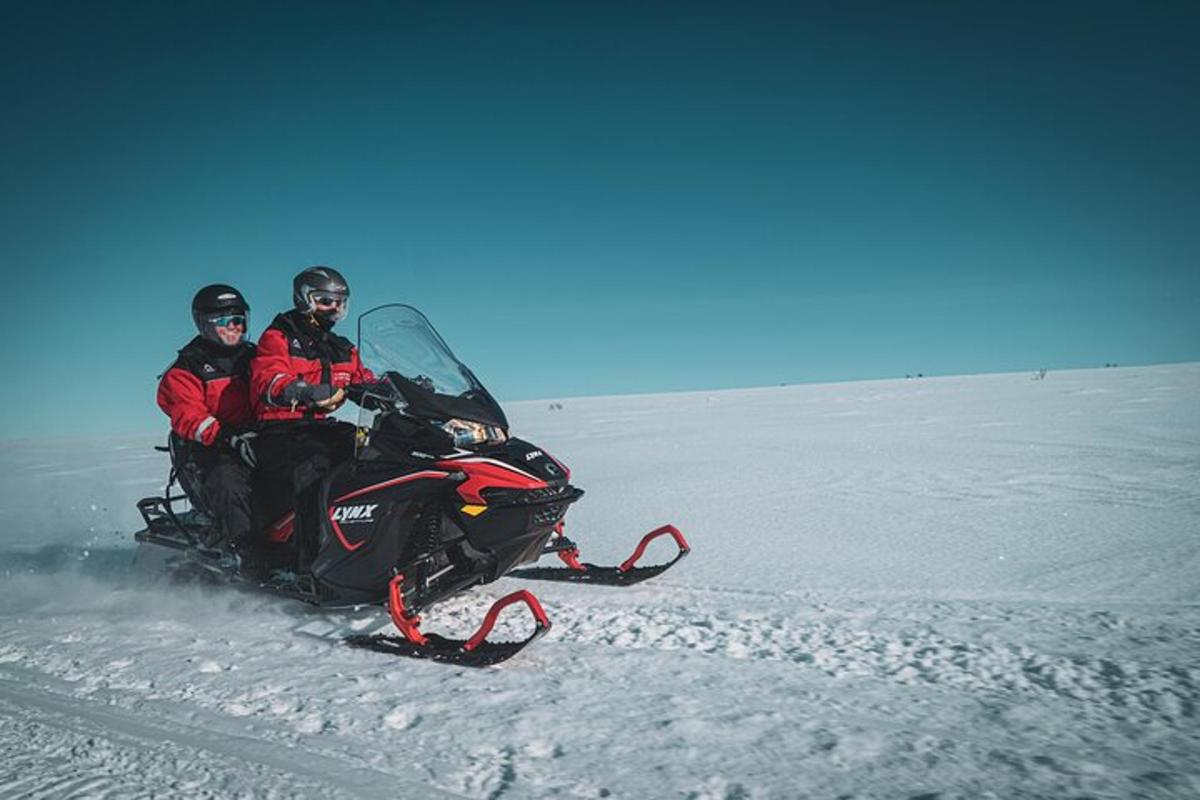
x: 467, y: 433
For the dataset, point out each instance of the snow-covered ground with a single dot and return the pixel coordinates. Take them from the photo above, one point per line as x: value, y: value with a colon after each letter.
x: 965, y: 587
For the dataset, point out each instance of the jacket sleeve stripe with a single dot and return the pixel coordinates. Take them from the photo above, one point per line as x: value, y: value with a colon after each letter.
x: 269, y: 394
x: 205, y: 425
x: 181, y: 395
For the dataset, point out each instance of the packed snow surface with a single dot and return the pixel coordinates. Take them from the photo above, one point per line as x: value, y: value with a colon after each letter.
x: 967, y: 587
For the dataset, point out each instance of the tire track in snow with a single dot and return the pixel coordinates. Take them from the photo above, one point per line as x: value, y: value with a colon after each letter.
x: 65, y: 727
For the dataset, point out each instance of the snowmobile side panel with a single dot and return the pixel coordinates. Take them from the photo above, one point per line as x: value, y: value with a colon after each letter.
x: 367, y: 528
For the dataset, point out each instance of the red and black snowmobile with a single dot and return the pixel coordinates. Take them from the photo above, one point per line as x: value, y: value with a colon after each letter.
x: 437, y: 499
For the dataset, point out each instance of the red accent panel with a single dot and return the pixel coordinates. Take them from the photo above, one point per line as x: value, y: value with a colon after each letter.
x: 281, y: 530
x: 413, y: 476
x: 520, y: 596
x: 482, y: 476
x: 641, y: 548
x: 337, y: 529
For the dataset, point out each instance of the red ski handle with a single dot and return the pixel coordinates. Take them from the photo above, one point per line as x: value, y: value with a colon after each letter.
x: 406, y: 622
x: 654, y: 534
x: 571, y: 559
x: 520, y: 596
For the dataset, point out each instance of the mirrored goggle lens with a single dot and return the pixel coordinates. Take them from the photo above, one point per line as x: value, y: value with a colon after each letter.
x: 228, y: 319
x: 328, y: 300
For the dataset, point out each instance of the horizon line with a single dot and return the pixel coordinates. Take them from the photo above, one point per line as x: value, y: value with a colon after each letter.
x: 629, y: 395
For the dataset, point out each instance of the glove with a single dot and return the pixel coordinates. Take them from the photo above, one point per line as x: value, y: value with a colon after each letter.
x: 242, y: 444
x: 301, y: 393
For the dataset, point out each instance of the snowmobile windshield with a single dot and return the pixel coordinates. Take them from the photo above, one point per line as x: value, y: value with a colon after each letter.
x: 415, y: 365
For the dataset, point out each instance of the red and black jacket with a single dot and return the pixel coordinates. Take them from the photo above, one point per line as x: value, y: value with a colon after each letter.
x: 295, y: 348
x: 206, y: 389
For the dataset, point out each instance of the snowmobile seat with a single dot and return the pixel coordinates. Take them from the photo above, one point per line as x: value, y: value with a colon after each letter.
x: 189, y: 472
x: 186, y: 470
x: 166, y: 521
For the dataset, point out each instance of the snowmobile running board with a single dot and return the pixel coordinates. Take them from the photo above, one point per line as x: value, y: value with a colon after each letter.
x: 474, y: 652
x: 626, y: 574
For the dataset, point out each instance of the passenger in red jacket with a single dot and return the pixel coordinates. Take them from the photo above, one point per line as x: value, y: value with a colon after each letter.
x: 297, y: 378
x: 206, y: 394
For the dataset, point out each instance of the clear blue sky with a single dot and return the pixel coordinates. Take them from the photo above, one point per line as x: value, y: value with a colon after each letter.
x: 606, y: 197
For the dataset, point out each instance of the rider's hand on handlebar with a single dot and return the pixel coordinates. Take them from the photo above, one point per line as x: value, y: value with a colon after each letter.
x: 335, y: 400
x: 321, y: 395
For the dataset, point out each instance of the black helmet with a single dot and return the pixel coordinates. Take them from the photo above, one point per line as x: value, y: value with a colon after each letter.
x: 322, y: 292
x: 220, y: 306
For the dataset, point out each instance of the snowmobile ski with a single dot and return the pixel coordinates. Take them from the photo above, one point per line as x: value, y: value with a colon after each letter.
x: 627, y: 574
x: 474, y: 652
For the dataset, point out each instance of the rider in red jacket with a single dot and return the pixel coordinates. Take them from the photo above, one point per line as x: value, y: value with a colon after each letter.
x: 206, y: 394
x: 298, y: 377
x: 302, y: 367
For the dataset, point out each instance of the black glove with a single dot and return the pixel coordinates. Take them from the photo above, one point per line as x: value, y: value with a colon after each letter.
x: 300, y: 393
x: 242, y: 444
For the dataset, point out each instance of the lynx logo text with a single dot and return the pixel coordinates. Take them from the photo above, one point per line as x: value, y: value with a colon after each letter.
x: 353, y: 513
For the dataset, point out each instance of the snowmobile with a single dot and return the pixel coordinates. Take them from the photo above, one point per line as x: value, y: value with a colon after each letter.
x: 438, y: 498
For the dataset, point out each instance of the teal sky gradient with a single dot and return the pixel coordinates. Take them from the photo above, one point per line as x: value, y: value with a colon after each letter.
x: 600, y: 198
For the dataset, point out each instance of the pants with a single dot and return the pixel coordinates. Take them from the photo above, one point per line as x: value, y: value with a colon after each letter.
x: 293, y: 457
x: 224, y: 486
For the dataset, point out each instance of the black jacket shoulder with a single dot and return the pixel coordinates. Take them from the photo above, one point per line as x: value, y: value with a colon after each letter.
x: 207, y: 361
x: 314, y: 341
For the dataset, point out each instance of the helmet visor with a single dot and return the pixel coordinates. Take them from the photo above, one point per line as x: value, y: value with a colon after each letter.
x: 330, y: 305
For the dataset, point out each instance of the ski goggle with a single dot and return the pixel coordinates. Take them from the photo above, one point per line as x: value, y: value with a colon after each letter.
x: 226, y: 320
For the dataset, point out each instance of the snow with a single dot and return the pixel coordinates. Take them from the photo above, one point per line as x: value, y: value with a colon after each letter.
x: 968, y: 587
